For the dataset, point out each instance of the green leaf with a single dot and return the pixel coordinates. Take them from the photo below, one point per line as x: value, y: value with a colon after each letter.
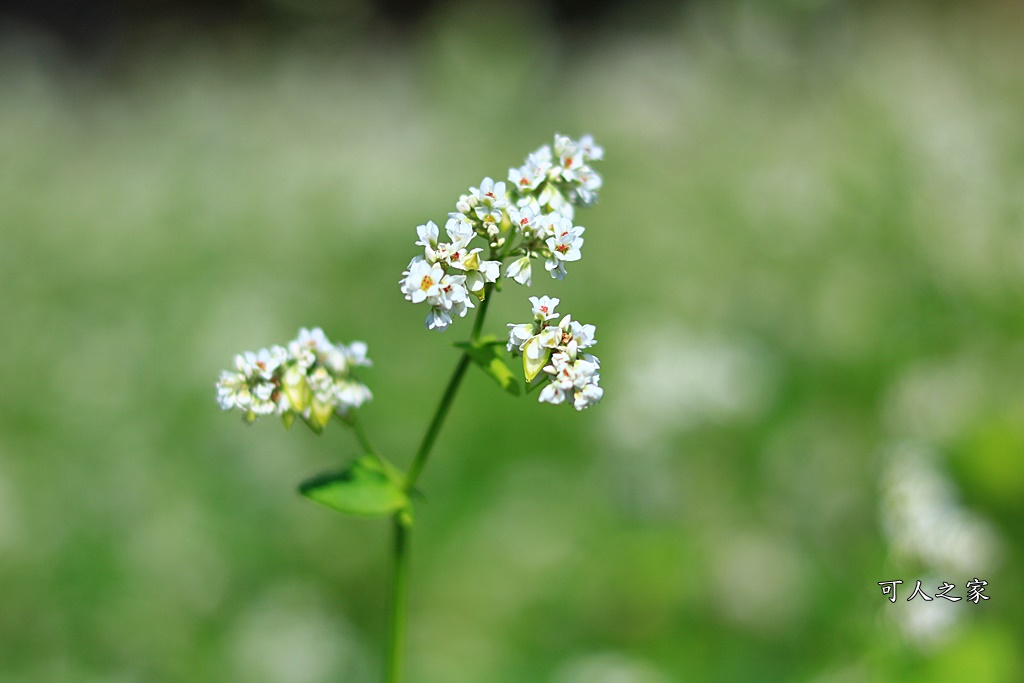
x: 486, y: 353
x: 366, y: 488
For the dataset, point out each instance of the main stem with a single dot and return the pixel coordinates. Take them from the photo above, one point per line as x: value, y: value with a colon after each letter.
x: 399, y: 591
x: 401, y: 527
x: 447, y: 398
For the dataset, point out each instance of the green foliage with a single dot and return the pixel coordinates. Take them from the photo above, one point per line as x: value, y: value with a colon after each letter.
x: 487, y: 354
x: 808, y: 249
x: 366, y: 488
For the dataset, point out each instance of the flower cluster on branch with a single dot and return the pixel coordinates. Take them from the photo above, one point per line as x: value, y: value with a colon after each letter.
x: 310, y: 377
x: 557, y: 349
x: 530, y: 217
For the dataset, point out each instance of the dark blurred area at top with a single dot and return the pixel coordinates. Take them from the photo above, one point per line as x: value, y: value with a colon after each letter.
x: 113, y: 31
x: 89, y: 28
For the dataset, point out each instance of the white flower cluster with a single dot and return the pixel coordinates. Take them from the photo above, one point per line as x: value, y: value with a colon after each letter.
x: 529, y: 217
x: 543, y: 193
x: 557, y: 350
x: 311, y: 378
x: 448, y: 272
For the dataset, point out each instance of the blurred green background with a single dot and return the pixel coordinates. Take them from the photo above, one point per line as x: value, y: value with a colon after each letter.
x: 807, y: 275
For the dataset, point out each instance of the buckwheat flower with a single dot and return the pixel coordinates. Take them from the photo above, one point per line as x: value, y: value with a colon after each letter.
x: 491, y: 270
x: 305, y: 349
x: 519, y: 334
x: 460, y: 229
x: 478, y: 273
x: 454, y: 295
x: 444, y: 252
x: 578, y: 378
x: 438, y: 318
x: 541, y: 158
x: 576, y: 337
x: 544, y: 307
x: 519, y: 270
x: 557, y: 350
x: 491, y: 199
x: 587, y: 396
x: 355, y: 353
x: 585, y: 193
x: 427, y: 235
x: 554, y: 393
x: 569, y: 156
x: 590, y: 151
x: 552, y: 199
x: 466, y: 204
x: 529, y: 176
x: 252, y: 387
x: 564, y: 247
x: 233, y: 390
x: 422, y: 281
x: 525, y: 220
x: 351, y: 394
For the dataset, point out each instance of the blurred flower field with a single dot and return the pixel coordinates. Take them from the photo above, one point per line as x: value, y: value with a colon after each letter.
x: 807, y: 276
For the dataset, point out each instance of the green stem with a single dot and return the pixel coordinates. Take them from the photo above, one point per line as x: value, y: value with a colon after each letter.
x: 353, y: 419
x: 400, y: 578
x: 447, y: 398
x: 399, y: 590
x: 478, y: 324
x: 435, y: 425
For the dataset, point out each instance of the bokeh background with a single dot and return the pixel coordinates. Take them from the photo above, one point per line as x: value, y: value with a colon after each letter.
x: 806, y: 272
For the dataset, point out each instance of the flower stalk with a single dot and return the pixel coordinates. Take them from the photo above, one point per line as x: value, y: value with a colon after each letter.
x: 528, y: 218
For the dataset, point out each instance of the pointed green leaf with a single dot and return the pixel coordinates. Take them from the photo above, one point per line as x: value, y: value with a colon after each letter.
x: 486, y: 353
x: 364, y: 488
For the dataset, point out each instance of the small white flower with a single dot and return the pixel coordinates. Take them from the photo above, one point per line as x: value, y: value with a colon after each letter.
x: 587, y: 396
x: 524, y: 220
x: 351, y: 394
x: 553, y: 393
x: 438, y: 319
x: 466, y: 204
x: 232, y: 391
x: 453, y: 291
x: 322, y: 383
x: 590, y: 151
x: 569, y: 156
x: 564, y: 246
x: 427, y: 235
x: 519, y: 270
x: 575, y: 336
x: 544, y: 307
x: 518, y: 335
x: 491, y: 270
x: 491, y: 199
x: 460, y: 230
x: 556, y: 268
x: 422, y: 281
x: 356, y: 355
x: 529, y: 176
x: 585, y: 192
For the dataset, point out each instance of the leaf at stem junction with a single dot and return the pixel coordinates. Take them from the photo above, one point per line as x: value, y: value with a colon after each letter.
x: 366, y: 488
x: 486, y: 354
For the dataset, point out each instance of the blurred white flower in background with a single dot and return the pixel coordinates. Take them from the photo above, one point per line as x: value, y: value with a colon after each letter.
x: 684, y: 379
x: 608, y: 667
x: 926, y: 524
